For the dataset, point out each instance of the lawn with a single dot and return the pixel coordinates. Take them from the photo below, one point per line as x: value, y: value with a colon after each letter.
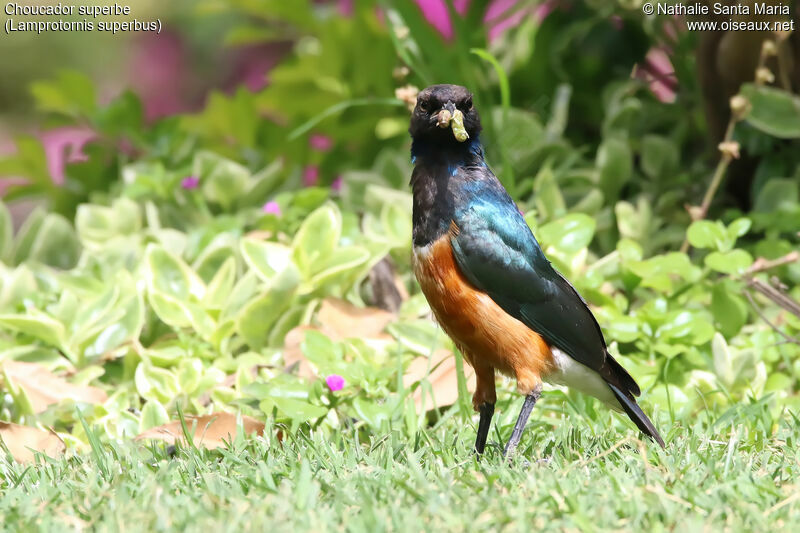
x: 571, y: 474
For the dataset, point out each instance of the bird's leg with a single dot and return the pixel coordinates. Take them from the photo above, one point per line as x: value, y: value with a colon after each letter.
x: 484, y: 398
x: 487, y: 411
x: 522, y: 419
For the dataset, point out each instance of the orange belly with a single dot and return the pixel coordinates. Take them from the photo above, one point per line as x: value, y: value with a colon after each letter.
x: 482, y: 330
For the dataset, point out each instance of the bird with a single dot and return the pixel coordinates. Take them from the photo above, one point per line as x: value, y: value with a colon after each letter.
x: 489, y: 284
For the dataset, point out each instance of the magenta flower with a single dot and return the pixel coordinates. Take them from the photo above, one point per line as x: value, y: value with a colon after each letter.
x: 337, y: 184
x: 499, y: 15
x: 320, y: 143
x: 190, y: 182
x: 310, y: 175
x: 658, y: 73
x: 435, y: 12
x: 345, y: 8
x: 272, y: 208
x: 335, y: 382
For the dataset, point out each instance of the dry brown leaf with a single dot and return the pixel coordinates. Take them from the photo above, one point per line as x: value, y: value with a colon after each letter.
x: 45, y: 388
x: 342, y: 320
x: 209, y: 431
x: 338, y: 320
x: 443, y: 379
x: 23, y: 440
x: 293, y: 354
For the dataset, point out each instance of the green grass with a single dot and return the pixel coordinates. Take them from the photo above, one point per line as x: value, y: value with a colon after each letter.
x: 736, y: 473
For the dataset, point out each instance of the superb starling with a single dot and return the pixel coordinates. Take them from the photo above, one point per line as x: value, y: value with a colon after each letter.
x: 488, y: 282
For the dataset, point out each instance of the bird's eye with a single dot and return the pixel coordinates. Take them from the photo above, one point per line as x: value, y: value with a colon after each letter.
x: 468, y: 103
x: 423, y: 105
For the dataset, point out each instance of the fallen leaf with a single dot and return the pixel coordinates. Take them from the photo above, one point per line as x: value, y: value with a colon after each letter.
x: 443, y: 378
x: 293, y: 355
x: 209, y: 431
x: 340, y: 320
x: 45, y: 388
x: 23, y: 441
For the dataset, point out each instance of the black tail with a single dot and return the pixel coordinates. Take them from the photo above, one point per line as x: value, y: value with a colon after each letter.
x: 636, y: 414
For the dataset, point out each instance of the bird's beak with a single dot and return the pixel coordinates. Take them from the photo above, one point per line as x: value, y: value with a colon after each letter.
x: 445, y: 115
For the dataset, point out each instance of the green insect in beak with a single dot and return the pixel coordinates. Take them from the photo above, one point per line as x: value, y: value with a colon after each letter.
x: 457, y: 123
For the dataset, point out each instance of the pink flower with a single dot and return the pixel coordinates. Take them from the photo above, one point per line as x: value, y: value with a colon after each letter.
x: 335, y: 382
x: 345, y: 8
x: 337, y: 184
x: 321, y: 143
x: 190, y: 182
x: 63, y: 146
x: 436, y: 13
x: 272, y: 208
x: 310, y: 175
x: 658, y: 73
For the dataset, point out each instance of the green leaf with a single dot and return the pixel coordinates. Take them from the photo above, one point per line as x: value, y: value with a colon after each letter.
x: 181, y: 314
x: 617, y: 326
x: 221, y: 285
x: 691, y: 327
x: 267, y: 259
x: 70, y: 93
x: 396, y: 221
x: 372, y: 413
x: 17, y: 284
x: 614, y: 164
x: 739, y: 227
x: 338, y: 262
x: 774, y: 111
x: 660, y: 156
x: 777, y: 195
x: 213, y: 256
x: 733, y: 262
x: 124, y: 323
x: 27, y: 234
x: 729, y: 309
x: 634, y: 222
x: 169, y: 309
x: 55, y: 244
x: 97, y: 224
x: 153, y: 415
x: 37, y: 325
x: 168, y: 274
x: 708, y: 234
x: 223, y: 181
x: 155, y: 384
x: 502, y: 77
x: 657, y: 272
x: 568, y: 234
x: 6, y: 235
x: 321, y: 350
x: 419, y: 336
x: 256, y: 319
x: 723, y: 365
x: 297, y: 410
x: 549, y: 200
x: 317, y: 237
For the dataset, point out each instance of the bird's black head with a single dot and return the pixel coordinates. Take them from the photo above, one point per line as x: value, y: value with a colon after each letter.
x: 430, y: 121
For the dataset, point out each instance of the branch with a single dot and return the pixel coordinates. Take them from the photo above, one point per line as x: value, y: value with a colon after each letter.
x: 761, y: 264
x: 775, y: 328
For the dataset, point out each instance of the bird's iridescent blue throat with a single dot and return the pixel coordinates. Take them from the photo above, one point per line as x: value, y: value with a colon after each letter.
x: 450, y: 154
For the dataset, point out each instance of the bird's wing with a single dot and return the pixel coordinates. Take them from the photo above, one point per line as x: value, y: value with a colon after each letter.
x: 496, y: 252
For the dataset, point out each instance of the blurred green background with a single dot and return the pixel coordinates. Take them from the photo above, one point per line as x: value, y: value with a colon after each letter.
x: 195, y: 199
